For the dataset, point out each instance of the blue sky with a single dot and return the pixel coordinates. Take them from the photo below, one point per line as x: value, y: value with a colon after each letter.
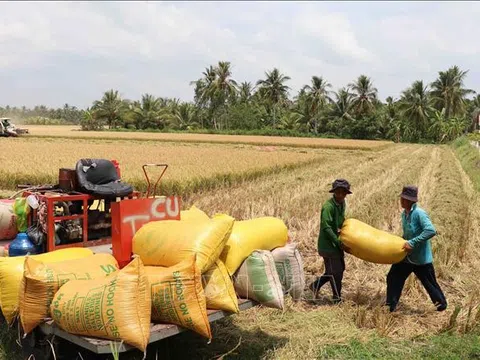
x: 71, y: 52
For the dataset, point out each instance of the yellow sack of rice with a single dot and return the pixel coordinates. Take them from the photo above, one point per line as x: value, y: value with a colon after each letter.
x: 116, y: 307
x: 370, y: 244
x: 289, y: 265
x: 178, y: 297
x: 193, y: 213
x: 219, y: 290
x: 166, y: 243
x: 41, y: 281
x: 265, y: 233
x: 11, y: 275
x: 257, y: 279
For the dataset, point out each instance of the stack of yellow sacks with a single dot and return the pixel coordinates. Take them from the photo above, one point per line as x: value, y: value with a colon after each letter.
x: 197, y: 257
x: 234, y: 257
x: 179, y: 270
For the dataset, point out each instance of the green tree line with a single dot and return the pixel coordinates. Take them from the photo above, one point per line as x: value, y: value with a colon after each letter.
x: 42, y: 115
x: 435, y: 112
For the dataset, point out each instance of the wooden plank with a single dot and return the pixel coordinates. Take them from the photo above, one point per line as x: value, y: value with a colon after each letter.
x: 157, y: 332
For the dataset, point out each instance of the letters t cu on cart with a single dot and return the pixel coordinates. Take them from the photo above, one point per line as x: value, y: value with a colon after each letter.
x: 128, y: 216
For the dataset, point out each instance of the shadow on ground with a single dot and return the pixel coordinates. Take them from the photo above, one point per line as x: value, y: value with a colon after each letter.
x: 228, y: 341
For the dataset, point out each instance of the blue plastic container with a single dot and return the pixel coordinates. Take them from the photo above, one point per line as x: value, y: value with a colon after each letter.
x: 22, y: 246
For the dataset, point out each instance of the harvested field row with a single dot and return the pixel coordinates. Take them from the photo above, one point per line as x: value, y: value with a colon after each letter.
x: 296, y: 196
x: 191, y: 166
x: 74, y: 132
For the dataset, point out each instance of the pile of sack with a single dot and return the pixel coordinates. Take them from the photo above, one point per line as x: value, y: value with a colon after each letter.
x: 180, y: 269
x: 225, y: 259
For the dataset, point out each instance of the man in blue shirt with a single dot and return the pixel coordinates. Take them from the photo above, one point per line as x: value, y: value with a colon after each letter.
x: 417, y: 230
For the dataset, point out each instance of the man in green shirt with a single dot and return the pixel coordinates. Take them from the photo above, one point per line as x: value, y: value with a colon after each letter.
x: 329, y: 245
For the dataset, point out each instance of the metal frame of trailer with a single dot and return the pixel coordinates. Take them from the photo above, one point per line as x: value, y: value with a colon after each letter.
x: 158, y: 332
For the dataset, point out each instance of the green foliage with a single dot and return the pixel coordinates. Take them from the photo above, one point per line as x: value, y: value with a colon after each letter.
x: 110, y: 109
x: 40, y: 120
x: 42, y: 115
x: 448, y: 91
x: 273, y: 92
x: 435, y: 347
x: 89, y: 123
x: 244, y: 116
x: 474, y: 136
x: 364, y: 96
x: 426, y: 113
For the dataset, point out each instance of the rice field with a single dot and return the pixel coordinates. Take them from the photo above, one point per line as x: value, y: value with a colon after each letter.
x: 191, y: 166
x: 296, y: 196
x: 74, y: 132
x: 289, y: 182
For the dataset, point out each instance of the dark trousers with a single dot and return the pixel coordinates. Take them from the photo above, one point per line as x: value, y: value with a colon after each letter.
x: 334, y: 268
x: 399, y: 273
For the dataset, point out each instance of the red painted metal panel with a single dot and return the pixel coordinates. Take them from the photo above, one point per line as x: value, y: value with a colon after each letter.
x: 51, y: 198
x: 128, y: 216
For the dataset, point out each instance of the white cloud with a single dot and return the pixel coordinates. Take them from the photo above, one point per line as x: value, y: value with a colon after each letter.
x: 77, y: 50
x: 335, y: 29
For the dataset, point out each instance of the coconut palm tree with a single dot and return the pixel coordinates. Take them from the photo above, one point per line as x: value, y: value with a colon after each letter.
x: 183, y: 118
x: 203, y: 86
x: 245, y: 92
x: 291, y: 121
x: 148, y: 114
x: 448, y: 92
x: 391, y: 108
x: 415, y: 104
x: 215, y: 89
x: 88, y: 122
x: 317, y: 96
x: 224, y: 86
x: 365, y: 95
x: 343, y: 104
x: 474, y: 111
x: 110, y: 108
x: 273, y: 89
x: 388, y: 124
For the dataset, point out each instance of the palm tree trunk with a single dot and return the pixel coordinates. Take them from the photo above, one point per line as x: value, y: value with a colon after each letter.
x: 447, y: 107
x: 215, y: 125
x: 225, y: 116
x: 274, y: 119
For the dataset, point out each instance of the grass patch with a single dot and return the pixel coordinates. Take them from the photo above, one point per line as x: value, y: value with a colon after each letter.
x: 469, y: 157
x: 9, y: 349
x: 474, y: 136
x: 436, y: 347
